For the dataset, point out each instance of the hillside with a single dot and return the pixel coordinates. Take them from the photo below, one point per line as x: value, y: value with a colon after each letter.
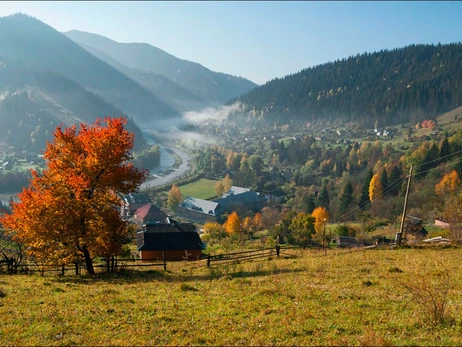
x: 34, y: 101
x: 214, y: 87
x: 168, y: 91
x: 35, y: 43
x: 392, y: 87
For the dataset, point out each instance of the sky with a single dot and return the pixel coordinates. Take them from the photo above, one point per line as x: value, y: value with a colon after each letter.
x: 257, y: 40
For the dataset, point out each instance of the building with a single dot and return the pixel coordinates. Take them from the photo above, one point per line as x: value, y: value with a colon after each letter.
x: 199, y: 210
x: 172, y: 240
x: 132, y: 202
x: 149, y: 213
x: 203, y: 211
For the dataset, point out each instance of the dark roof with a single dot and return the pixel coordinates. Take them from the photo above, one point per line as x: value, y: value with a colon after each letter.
x: 169, y: 237
x: 137, y: 198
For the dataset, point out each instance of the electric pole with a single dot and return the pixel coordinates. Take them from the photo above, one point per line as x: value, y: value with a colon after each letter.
x: 399, y: 235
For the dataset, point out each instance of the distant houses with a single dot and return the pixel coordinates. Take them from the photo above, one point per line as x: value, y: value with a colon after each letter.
x: 202, y: 211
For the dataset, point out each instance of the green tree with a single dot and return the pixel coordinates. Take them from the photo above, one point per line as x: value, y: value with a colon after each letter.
x: 346, y: 199
x: 302, y: 229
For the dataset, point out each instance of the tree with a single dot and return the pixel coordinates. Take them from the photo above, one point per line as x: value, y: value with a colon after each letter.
x: 174, y: 198
x: 384, y: 179
x: 302, y: 229
x: 322, y: 217
x: 448, y: 183
x: 219, y: 189
x: 324, y: 200
x: 214, y: 231
x: 364, y: 199
x: 70, y: 209
x: 346, y: 198
x: 375, y: 188
x: 227, y: 183
x: 233, y: 224
x: 257, y: 221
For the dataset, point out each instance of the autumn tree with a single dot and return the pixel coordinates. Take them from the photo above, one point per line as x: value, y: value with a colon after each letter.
x: 448, y: 183
x: 227, y: 183
x: 322, y: 217
x: 70, y: 211
x: 219, y: 189
x: 233, y: 224
x: 214, y: 231
x: 174, y: 198
x: 375, y: 188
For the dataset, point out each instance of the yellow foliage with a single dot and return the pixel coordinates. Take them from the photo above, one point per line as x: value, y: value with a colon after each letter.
x: 448, y: 183
x: 375, y: 188
x: 322, y: 216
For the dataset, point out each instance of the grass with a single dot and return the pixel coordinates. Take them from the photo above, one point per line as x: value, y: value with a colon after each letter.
x: 345, y: 298
x: 202, y: 189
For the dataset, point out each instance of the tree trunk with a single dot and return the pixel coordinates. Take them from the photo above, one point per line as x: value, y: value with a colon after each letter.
x: 88, y: 261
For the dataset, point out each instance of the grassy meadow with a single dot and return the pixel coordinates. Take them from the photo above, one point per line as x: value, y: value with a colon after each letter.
x: 202, y: 189
x: 368, y: 297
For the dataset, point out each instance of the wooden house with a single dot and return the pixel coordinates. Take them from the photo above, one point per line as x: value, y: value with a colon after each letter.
x: 149, y: 213
x: 176, y: 241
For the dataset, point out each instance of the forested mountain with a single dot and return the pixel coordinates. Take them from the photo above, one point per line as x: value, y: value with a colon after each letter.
x: 211, y: 86
x: 33, y: 101
x: 35, y: 43
x: 170, y: 92
x: 391, y: 86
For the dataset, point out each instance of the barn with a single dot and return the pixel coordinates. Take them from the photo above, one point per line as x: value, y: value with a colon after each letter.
x: 176, y: 241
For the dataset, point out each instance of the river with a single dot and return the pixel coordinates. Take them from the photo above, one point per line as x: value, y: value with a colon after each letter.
x: 166, y: 162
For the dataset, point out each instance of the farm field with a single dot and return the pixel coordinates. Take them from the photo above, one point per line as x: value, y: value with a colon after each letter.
x: 349, y: 297
x: 202, y: 189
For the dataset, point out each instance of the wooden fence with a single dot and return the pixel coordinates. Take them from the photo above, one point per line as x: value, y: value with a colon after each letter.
x: 133, y: 262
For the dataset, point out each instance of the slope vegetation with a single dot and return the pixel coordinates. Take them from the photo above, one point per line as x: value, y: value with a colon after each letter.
x: 211, y: 86
x: 398, y: 86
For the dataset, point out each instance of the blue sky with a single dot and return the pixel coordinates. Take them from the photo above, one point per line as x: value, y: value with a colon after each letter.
x: 257, y: 40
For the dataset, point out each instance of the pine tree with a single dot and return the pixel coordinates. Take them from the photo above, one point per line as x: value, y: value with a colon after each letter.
x: 324, y: 200
x: 346, y: 198
x: 384, y: 181
x: 364, y: 200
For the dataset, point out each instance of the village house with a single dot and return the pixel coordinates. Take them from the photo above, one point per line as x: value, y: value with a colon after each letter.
x: 171, y: 241
x: 203, y: 211
x: 149, y: 213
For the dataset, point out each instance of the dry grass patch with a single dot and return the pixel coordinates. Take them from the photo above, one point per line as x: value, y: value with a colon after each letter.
x: 308, y: 300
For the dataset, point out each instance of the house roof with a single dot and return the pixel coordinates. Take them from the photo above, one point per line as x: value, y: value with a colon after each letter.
x: 137, y: 198
x: 150, y: 213
x: 169, y: 237
x: 235, y: 191
x: 200, y: 205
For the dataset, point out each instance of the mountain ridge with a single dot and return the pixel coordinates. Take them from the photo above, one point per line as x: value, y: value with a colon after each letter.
x: 215, y: 87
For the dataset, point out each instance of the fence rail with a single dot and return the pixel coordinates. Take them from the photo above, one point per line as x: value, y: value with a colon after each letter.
x: 137, y: 263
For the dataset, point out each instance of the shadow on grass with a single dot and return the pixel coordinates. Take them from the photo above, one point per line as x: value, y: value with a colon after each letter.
x: 128, y: 276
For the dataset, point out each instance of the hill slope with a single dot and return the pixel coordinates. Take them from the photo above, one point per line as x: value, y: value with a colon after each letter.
x: 408, y: 84
x: 173, y: 94
x: 35, y: 43
x: 209, y: 85
x: 34, y: 101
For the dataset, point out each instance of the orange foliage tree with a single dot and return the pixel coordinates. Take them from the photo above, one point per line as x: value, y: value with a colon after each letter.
x: 448, y: 183
x: 375, y: 188
x: 322, y: 216
x: 70, y: 211
x: 233, y: 224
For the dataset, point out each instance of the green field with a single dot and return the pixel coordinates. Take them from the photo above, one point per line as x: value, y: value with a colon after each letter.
x: 202, y: 189
x: 368, y: 297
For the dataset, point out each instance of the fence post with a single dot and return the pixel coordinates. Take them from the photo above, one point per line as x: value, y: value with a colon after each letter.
x: 62, y: 269
x: 278, y: 248
x: 208, y: 260
x: 163, y: 258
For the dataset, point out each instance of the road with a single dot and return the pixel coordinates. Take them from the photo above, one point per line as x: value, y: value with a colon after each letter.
x: 172, y: 176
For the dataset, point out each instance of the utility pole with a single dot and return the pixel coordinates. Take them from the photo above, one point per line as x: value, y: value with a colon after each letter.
x: 399, y: 235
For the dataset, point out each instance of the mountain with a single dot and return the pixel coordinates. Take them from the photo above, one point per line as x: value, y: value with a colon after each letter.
x: 33, y: 101
x: 168, y: 91
x: 214, y: 87
x: 35, y: 43
x: 396, y: 86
